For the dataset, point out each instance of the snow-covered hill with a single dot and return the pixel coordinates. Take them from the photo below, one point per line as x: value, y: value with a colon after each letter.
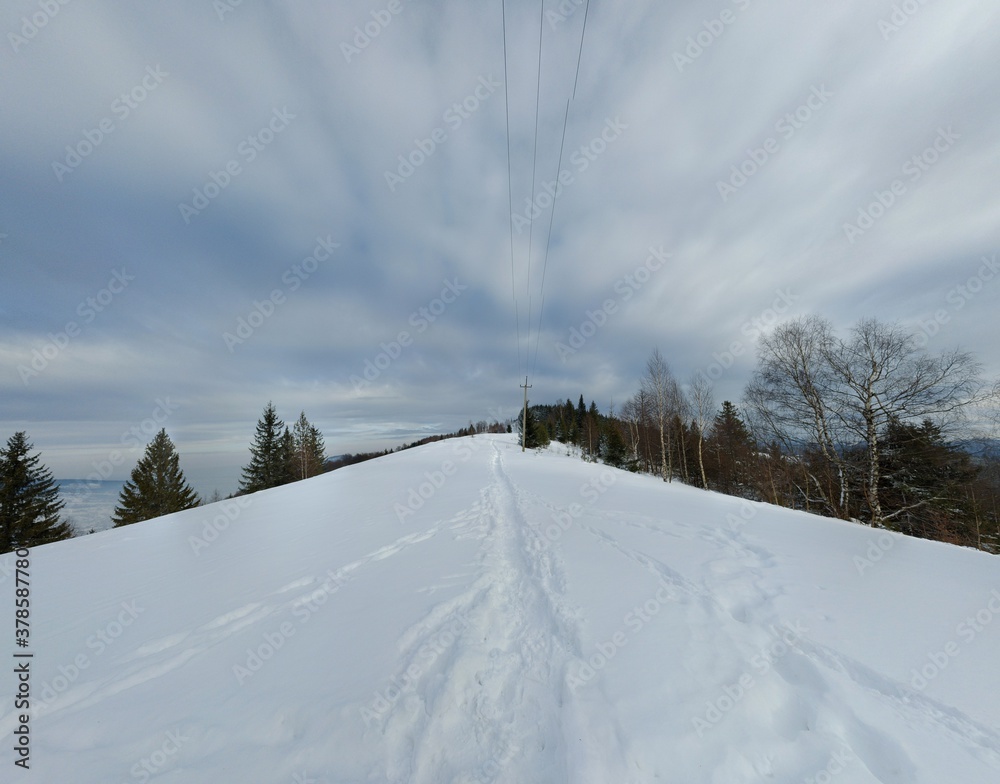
x: 463, y: 612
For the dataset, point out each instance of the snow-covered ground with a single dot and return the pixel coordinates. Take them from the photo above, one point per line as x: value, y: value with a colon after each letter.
x: 463, y: 612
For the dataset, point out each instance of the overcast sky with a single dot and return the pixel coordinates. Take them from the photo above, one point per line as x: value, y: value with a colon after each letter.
x: 207, y: 206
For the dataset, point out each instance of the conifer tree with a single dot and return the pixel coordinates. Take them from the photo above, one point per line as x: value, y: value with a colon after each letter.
x: 29, y: 499
x: 590, y: 436
x: 731, y: 447
x: 157, y: 485
x: 924, y: 483
x: 567, y: 423
x: 269, y: 455
x: 537, y: 433
x: 288, y: 457
x: 613, y: 449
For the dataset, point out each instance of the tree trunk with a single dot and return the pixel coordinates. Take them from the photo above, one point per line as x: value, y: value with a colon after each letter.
x: 873, y: 467
x: 683, y: 453
x: 701, y: 459
x: 663, y: 454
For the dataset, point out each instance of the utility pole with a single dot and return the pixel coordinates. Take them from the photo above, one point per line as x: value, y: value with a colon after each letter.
x: 524, y: 424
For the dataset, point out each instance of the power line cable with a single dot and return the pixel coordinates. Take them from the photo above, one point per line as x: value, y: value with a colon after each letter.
x: 531, y: 205
x: 555, y: 196
x: 510, y: 190
x: 579, y: 56
x: 534, y: 161
x: 548, y: 238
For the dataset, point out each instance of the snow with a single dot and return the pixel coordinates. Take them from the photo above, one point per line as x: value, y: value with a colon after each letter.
x: 463, y: 612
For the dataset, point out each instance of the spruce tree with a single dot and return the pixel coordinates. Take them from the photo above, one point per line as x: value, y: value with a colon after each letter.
x: 613, y: 449
x: 289, y: 458
x: 925, y: 482
x: 731, y: 449
x: 537, y: 433
x: 567, y: 422
x: 591, y: 433
x: 270, y: 456
x: 157, y: 485
x: 29, y: 498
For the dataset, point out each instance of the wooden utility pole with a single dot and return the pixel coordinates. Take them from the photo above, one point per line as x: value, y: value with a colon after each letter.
x: 524, y: 423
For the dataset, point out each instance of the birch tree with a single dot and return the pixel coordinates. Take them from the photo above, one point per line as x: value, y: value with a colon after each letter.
x: 815, y: 391
x: 790, y: 394
x: 703, y: 406
x: 310, y: 451
x: 882, y: 376
x: 656, y: 383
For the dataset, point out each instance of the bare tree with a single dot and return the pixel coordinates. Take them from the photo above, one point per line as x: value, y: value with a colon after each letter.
x: 817, y: 393
x: 992, y: 404
x: 657, y: 385
x: 790, y: 395
x: 631, y: 414
x: 703, y: 405
x: 637, y: 416
x: 882, y: 376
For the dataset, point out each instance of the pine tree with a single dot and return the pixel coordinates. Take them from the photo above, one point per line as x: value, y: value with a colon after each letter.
x: 288, y: 457
x: 731, y: 448
x: 924, y: 483
x: 269, y: 455
x: 567, y: 423
x: 613, y: 449
x: 157, y: 485
x: 29, y: 499
x: 591, y: 432
x: 537, y: 434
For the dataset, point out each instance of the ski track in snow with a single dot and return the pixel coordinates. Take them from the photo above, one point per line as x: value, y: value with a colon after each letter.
x: 496, y: 707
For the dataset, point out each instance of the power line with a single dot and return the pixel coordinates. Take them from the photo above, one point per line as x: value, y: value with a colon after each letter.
x: 555, y: 197
x: 548, y: 239
x: 579, y: 56
x: 534, y: 161
x: 510, y: 190
x: 529, y: 358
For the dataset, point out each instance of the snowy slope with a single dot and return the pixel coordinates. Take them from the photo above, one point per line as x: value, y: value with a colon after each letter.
x: 463, y: 612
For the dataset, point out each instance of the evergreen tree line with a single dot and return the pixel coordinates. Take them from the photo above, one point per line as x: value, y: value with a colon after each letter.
x: 868, y: 427
x: 279, y: 454
x: 30, y: 505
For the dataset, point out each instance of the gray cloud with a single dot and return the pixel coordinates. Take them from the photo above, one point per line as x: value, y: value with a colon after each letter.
x: 744, y: 90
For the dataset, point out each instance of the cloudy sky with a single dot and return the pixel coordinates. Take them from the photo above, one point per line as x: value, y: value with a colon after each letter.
x: 206, y: 206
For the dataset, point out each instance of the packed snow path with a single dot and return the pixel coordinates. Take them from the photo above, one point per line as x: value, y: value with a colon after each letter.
x: 463, y: 612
